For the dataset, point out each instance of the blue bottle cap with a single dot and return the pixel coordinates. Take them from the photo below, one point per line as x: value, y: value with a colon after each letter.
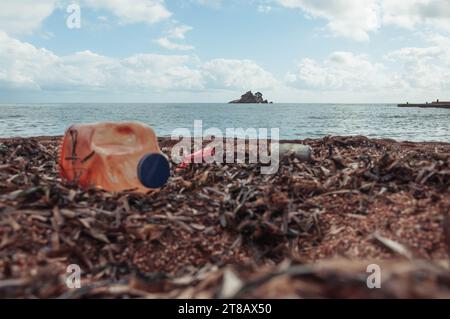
x: 153, y: 170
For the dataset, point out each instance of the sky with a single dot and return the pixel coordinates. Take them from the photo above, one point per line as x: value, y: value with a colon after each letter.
x: 299, y: 51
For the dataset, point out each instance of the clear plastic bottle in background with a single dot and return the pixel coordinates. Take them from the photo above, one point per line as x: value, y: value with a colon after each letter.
x: 113, y: 157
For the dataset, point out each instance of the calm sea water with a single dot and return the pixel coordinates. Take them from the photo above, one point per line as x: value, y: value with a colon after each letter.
x: 295, y: 121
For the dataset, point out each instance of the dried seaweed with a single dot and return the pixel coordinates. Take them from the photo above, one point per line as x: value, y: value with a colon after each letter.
x: 358, y: 199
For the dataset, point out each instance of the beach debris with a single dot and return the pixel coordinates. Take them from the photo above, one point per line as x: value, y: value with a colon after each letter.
x: 274, y: 235
x: 447, y: 231
x: 113, y: 156
x: 231, y: 284
x: 3, y: 148
x: 300, y: 151
x: 394, y: 246
x: 198, y: 157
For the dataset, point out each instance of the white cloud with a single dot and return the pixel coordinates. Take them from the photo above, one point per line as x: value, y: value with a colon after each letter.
x: 344, y: 71
x: 132, y: 11
x: 179, y: 32
x: 238, y: 74
x: 210, y: 3
x: 170, y: 45
x: 24, y: 16
x: 415, y: 54
x: 171, y: 72
x: 425, y: 68
x: 413, y: 71
x: 24, y: 66
x: 22, y: 63
x: 349, y: 18
x: 264, y: 8
x: 83, y: 70
x: 356, y: 19
x: 412, y: 13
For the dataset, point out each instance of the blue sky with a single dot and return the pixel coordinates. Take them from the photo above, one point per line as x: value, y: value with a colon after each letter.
x: 213, y: 51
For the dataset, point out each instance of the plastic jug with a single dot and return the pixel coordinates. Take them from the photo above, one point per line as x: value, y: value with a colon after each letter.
x: 113, y: 156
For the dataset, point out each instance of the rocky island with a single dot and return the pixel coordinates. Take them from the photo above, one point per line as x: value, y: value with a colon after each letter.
x: 249, y: 97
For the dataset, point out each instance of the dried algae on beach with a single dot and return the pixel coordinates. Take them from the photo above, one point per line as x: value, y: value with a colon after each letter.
x: 227, y: 231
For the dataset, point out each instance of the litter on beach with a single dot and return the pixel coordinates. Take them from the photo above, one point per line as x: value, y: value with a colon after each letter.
x: 113, y: 156
x: 313, y: 224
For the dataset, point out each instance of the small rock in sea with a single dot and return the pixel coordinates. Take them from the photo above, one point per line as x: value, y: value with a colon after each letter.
x: 249, y: 97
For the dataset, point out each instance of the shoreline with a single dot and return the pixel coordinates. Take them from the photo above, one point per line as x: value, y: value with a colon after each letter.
x: 165, y: 140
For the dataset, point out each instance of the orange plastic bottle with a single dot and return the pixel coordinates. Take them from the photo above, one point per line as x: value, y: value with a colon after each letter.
x: 113, y: 157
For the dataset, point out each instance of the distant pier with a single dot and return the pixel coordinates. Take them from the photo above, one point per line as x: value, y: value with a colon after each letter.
x: 438, y: 104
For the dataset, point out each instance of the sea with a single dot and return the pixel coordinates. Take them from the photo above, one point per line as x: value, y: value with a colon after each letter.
x: 294, y: 121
